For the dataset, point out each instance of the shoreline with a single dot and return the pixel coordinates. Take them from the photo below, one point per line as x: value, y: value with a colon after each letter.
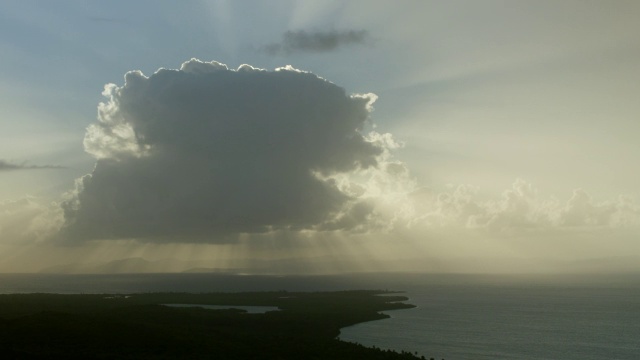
x: 307, y: 325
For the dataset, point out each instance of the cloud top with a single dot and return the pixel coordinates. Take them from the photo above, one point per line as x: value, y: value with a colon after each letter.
x: 205, y: 153
x: 318, y: 41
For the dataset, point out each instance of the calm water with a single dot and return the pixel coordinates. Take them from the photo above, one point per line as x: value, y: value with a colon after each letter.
x: 248, y: 309
x: 468, y: 318
x: 457, y: 318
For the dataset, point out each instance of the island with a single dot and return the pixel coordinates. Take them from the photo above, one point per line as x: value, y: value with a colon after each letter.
x: 306, y: 325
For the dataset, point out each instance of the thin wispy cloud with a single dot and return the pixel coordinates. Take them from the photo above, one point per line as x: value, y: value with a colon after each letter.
x: 315, y: 41
x: 10, y: 166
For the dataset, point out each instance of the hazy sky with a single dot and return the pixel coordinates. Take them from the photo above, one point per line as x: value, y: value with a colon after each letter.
x: 321, y: 135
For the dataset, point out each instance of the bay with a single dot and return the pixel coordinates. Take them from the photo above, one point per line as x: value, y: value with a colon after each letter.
x: 248, y: 309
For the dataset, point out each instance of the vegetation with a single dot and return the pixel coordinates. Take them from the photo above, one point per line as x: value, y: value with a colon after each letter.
x: 138, y: 326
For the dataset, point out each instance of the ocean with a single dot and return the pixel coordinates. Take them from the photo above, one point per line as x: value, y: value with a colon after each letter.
x: 458, y: 317
x: 474, y: 318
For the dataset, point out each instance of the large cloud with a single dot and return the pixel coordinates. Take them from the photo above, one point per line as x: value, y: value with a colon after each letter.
x: 204, y: 153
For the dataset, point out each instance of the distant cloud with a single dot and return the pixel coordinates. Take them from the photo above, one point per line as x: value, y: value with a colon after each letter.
x: 9, y: 166
x: 521, y: 209
x: 205, y: 153
x: 27, y: 221
x: 318, y: 41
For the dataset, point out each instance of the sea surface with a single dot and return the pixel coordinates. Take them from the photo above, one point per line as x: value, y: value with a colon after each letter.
x: 458, y: 317
x: 473, y: 318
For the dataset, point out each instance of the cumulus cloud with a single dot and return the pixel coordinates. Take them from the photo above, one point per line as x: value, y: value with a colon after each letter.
x: 8, y: 166
x: 318, y: 41
x: 27, y: 221
x: 204, y: 153
x: 521, y: 209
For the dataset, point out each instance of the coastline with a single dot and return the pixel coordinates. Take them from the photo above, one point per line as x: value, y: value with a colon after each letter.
x: 79, y: 325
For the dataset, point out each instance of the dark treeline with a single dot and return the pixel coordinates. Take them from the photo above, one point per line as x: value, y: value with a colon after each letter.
x: 137, y: 326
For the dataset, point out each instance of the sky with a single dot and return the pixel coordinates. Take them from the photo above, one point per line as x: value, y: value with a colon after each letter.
x: 319, y: 136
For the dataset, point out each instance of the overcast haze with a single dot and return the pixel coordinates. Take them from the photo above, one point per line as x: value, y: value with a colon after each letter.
x: 320, y: 136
